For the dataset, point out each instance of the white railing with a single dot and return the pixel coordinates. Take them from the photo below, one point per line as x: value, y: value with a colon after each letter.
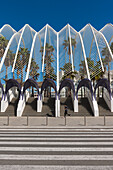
x: 108, y: 100
x: 5, y: 101
x: 75, y: 102
x: 93, y: 103
x: 22, y: 103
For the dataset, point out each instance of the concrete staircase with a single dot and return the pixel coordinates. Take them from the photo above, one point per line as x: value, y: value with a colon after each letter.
x: 11, y: 110
x: 48, y: 106
x: 56, y: 148
x: 31, y: 107
x: 103, y: 108
x: 84, y: 107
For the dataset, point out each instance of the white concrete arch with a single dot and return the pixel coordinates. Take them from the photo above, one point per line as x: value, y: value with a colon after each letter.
x: 71, y: 48
x: 29, y: 27
x: 106, y: 44
x: 94, y: 36
x: 26, y: 25
x: 105, y: 27
x: 7, y: 25
x: 44, y: 48
x: 97, y: 46
x: 52, y: 29
x: 68, y: 26
x: 6, y: 50
x: 83, y: 49
x: 31, y: 52
x: 84, y: 54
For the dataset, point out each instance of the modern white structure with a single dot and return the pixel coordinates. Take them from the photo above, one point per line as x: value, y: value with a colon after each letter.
x: 56, y: 55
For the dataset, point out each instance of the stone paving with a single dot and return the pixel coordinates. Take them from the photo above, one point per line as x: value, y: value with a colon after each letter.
x: 60, y: 121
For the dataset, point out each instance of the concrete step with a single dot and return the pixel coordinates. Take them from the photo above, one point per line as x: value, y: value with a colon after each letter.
x: 65, y: 148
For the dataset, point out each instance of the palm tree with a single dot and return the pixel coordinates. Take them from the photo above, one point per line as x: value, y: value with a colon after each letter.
x: 33, y: 70
x: 49, y: 70
x: 67, y: 68
x: 3, y: 45
x: 107, y: 59
x: 66, y: 45
x: 22, y: 61
x: 9, y: 61
x: 67, y: 74
x: 48, y: 59
x: 94, y: 75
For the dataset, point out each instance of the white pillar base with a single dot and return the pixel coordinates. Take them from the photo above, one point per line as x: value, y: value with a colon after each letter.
x: 95, y: 106
x: 75, y: 105
x: 39, y: 105
x: 111, y: 104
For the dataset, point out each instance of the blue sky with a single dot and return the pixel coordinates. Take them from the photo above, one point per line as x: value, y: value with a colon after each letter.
x: 57, y: 13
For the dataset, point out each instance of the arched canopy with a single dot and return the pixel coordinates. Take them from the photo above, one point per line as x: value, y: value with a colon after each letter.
x: 67, y: 83
x: 104, y: 83
x: 48, y: 82
x: 12, y: 83
x: 30, y: 82
x: 85, y: 83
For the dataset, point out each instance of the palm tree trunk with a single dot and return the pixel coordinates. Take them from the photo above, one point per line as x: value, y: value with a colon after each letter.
x: 69, y: 59
x: 32, y: 92
x: 13, y: 75
x: 108, y: 72
x: 74, y: 56
x: 21, y: 75
x: 6, y: 73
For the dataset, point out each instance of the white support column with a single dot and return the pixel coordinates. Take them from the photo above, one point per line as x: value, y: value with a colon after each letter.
x: 75, y: 104
x: 71, y: 48
x: 111, y: 104
x: 44, y: 48
x: 95, y: 107
x: 57, y: 110
x: 39, y: 104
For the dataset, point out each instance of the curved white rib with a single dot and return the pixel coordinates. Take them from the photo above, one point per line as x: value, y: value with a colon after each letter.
x: 52, y: 29
x: 107, y: 44
x: 71, y: 47
x: 19, y: 46
x: 28, y: 26
x: 31, y: 53
x: 44, y: 48
x: 97, y: 47
x: 105, y: 26
x: 7, y: 48
x: 7, y: 25
x: 84, y: 53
